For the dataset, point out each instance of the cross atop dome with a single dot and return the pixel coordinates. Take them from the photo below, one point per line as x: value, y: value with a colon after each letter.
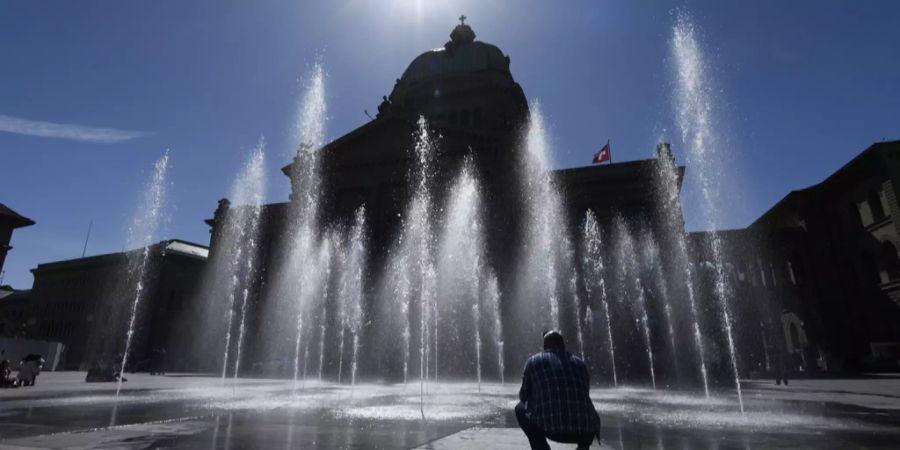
x: 461, y: 54
x: 463, y: 33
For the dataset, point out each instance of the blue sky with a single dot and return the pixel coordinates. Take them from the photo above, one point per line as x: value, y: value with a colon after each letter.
x: 804, y: 86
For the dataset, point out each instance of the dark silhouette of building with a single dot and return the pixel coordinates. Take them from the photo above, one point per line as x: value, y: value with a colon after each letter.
x: 84, y: 303
x: 13, y: 303
x: 9, y: 221
x: 817, y: 276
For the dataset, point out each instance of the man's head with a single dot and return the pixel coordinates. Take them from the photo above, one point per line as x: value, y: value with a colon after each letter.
x: 553, y: 340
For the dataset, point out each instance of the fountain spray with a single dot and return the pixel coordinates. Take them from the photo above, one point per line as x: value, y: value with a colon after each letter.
x: 652, y: 260
x: 141, y: 234
x: 576, y: 301
x: 325, y: 254
x: 248, y: 191
x: 461, y: 259
x: 592, y: 267
x: 544, y: 227
x: 668, y: 182
x: 353, y: 283
x: 629, y: 270
x: 295, y: 282
x: 695, y: 114
x: 491, y: 296
x: 353, y: 263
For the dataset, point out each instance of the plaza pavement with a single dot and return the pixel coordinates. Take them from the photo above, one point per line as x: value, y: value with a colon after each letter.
x: 187, y: 411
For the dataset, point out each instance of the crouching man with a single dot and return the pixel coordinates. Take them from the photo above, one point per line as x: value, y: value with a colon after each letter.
x: 555, y: 400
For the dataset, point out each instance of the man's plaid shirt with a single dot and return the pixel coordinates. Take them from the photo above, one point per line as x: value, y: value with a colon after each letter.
x: 556, y: 389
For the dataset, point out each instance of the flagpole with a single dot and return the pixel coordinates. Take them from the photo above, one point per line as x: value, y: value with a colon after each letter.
x: 88, y: 236
x: 609, y: 150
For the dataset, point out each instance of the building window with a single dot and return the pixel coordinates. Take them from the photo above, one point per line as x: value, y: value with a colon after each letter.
x: 890, y: 262
x: 874, y: 200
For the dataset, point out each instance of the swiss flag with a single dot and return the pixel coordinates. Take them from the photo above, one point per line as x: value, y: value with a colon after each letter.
x: 602, y: 156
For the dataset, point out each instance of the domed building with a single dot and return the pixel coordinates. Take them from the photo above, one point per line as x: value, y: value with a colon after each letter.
x: 468, y: 97
x: 471, y: 103
x: 466, y: 84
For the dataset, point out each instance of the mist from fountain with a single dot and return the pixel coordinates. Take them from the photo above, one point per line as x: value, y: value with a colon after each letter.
x: 632, y: 286
x: 461, y: 265
x: 544, y: 247
x: 242, y: 233
x: 342, y: 321
x: 353, y: 267
x: 230, y: 270
x: 322, y: 328
x: 576, y: 304
x: 326, y: 253
x: 490, y: 295
x: 594, y: 279
x: 299, y: 331
x: 296, y: 283
x: 652, y: 261
x: 410, y: 277
x: 350, y: 265
x: 696, y: 116
x: 399, y: 289
x: 141, y: 234
x: 421, y: 234
x: 305, y: 364
x: 476, y: 313
x: 668, y: 188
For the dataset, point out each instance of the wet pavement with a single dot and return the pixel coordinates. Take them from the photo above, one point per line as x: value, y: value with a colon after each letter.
x: 201, y: 412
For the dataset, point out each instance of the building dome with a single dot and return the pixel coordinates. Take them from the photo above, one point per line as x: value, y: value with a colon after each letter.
x: 468, y: 57
x: 466, y: 83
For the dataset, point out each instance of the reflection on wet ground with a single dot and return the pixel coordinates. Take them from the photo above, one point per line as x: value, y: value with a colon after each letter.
x: 197, y: 412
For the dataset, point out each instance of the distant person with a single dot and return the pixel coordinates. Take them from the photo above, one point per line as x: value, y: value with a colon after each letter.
x: 100, y: 371
x: 781, y: 367
x: 6, y: 378
x: 103, y: 371
x: 799, y: 365
x: 555, y: 400
x: 158, y: 361
x: 29, y: 368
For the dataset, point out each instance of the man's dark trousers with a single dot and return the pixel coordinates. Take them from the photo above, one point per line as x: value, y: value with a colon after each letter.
x: 537, y: 437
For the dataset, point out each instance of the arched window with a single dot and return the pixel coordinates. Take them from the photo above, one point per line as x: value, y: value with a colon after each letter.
x: 874, y: 201
x: 890, y: 262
